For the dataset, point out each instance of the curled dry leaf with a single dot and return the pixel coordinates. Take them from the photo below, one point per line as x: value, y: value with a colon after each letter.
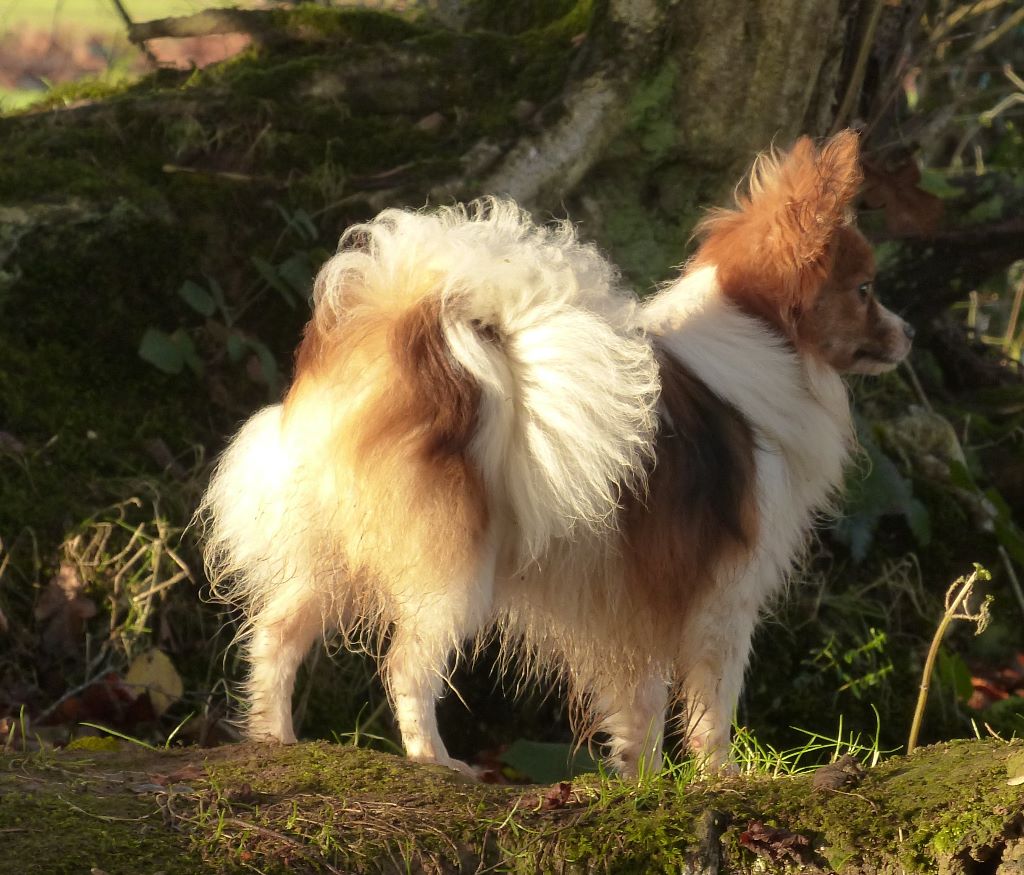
x: 776, y: 845
x: 908, y: 208
x: 557, y: 797
x: 844, y: 772
x: 62, y: 610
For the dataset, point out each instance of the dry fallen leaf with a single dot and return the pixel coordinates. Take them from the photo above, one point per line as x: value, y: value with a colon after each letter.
x: 776, y: 844
x: 844, y: 772
x: 908, y: 208
x: 62, y: 610
x: 557, y: 797
x: 154, y: 673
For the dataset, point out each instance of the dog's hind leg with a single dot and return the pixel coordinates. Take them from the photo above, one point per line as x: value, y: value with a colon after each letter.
x: 635, y: 724
x: 430, y: 628
x: 281, y: 634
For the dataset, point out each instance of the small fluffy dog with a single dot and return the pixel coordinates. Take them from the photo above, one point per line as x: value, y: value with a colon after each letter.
x: 486, y: 434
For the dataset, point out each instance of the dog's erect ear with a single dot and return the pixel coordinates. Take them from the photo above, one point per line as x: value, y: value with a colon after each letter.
x: 773, y: 252
x: 811, y: 191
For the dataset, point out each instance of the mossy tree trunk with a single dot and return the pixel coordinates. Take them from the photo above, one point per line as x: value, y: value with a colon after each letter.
x: 951, y: 809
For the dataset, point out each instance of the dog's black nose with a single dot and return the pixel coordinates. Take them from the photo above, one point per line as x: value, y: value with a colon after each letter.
x: 908, y: 330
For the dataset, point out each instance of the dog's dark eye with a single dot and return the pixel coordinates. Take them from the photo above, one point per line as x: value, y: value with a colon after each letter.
x: 865, y: 289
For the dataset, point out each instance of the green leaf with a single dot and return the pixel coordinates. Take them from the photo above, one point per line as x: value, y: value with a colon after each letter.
x: 954, y: 674
x: 188, y: 351
x: 302, y: 222
x: 160, y: 349
x: 935, y: 182
x: 197, y: 298
x: 297, y: 271
x: 273, y: 279
x: 268, y: 364
x: 545, y: 763
x: 235, y: 346
x: 986, y: 210
x: 218, y: 294
x: 882, y: 492
x: 919, y: 520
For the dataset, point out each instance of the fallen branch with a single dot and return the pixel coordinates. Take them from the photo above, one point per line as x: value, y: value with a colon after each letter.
x: 206, y: 23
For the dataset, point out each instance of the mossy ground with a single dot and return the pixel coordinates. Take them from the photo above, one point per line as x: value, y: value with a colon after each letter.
x: 323, y: 808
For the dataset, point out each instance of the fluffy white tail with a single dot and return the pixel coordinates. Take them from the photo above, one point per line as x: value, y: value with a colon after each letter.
x: 536, y: 318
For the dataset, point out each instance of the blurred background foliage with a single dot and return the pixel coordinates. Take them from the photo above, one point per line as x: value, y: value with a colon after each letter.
x: 165, y: 202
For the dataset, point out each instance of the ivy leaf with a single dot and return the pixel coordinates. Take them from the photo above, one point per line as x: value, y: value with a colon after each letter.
x: 188, y: 351
x: 954, y: 675
x: 170, y: 352
x: 159, y: 349
x: 546, y: 763
x: 882, y: 492
x: 236, y: 346
x: 297, y: 271
x: 267, y: 362
x: 197, y: 298
x: 272, y: 278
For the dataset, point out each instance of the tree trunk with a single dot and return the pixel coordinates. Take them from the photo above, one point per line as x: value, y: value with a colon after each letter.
x: 953, y: 809
x: 631, y: 114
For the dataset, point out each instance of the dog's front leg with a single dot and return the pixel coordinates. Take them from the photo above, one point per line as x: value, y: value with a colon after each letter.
x: 711, y: 684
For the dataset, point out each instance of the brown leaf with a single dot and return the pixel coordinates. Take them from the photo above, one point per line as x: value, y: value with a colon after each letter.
x: 908, y: 208
x: 557, y: 797
x: 844, y: 772
x: 153, y: 672
x: 107, y: 701
x: 63, y: 610
x: 776, y: 845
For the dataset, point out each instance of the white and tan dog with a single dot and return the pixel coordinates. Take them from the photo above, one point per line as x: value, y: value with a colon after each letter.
x: 486, y: 434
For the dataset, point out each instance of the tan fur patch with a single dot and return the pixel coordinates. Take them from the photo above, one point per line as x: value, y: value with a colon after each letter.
x: 411, y: 510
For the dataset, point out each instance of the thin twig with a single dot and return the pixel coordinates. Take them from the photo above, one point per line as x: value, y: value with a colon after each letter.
x: 853, y: 86
x: 1006, y: 25
x: 129, y: 24
x: 1012, y: 575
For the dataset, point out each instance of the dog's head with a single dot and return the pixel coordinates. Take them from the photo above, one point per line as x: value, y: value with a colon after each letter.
x: 790, y: 255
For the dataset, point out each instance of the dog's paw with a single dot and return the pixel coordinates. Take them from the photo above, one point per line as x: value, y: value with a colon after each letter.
x: 449, y: 763
x: 265, y: 733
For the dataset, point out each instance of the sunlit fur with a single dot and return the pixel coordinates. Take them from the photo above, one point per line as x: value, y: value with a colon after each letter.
x: 485, y: 435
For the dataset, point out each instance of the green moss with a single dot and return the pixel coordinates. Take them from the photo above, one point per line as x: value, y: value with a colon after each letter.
x: 316, y: 805
x: 310, y: 22
x: 528, y: 15
x: 83, y: 90
x: 80, y: 823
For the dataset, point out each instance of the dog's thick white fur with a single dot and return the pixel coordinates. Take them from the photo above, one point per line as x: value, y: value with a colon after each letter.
x: 467, y: 448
